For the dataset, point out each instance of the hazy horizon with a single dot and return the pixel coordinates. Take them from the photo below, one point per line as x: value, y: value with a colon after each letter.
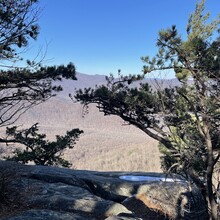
x: 100, y: 37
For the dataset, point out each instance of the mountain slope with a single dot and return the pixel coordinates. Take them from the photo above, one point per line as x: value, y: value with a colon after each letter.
x: 107, y: 143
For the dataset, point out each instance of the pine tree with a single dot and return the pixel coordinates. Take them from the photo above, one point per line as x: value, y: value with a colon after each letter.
x: 185, y: 119
x: 39, y: 150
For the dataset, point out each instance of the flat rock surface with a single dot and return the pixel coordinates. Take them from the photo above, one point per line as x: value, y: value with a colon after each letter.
x: 58, y: 193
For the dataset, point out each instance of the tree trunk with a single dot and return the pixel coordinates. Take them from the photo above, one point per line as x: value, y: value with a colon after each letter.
x: 210, y: 194
x: 209, y: 175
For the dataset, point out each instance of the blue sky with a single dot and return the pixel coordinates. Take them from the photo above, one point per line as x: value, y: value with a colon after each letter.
x: 102, y: 36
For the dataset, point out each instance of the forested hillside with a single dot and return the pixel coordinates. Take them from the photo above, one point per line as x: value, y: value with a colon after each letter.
x: 107, y: 143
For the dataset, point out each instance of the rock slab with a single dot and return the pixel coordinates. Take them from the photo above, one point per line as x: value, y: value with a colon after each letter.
x: 58, y: 193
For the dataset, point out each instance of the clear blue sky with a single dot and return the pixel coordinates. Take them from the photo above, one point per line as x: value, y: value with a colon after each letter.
x: 102, y: 36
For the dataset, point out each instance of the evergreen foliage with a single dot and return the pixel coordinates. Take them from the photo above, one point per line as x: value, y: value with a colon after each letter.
x: 17, y: 25
x: 38, y: 149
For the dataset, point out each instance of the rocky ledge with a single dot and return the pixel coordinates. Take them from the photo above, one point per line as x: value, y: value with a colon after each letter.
x: 51, y: 193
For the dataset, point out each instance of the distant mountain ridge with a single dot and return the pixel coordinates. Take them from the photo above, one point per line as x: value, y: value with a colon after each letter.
x: 86, y: 81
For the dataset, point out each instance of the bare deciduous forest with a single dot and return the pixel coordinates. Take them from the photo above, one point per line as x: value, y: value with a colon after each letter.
x: 107, y: 143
